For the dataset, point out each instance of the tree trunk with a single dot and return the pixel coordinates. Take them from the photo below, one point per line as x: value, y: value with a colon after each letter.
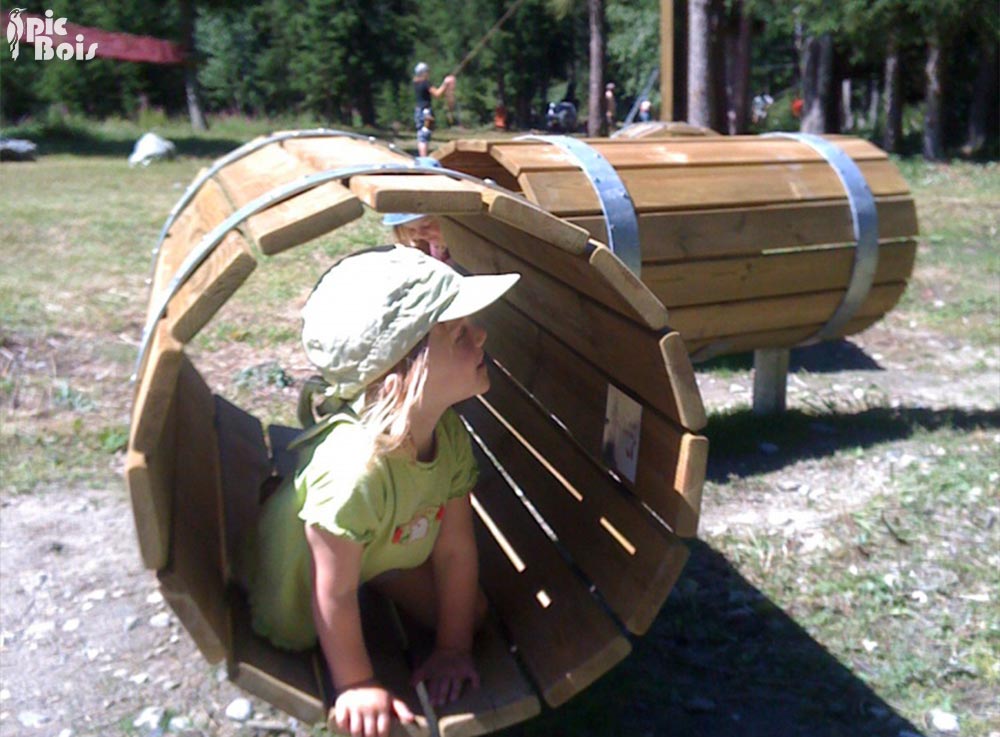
x: 817, y: 79
x: 892, y: 136
x: 933, y: 133
x: 871, y: 120
x: 594, y: 111
x: 738, y: 36
x: 984, y: 98
x: 699, y: 105
x: 846, y: 106
x: 365, y: 102
x: 190, y: 66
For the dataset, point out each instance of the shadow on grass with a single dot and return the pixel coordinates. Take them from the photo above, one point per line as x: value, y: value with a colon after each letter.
x: 827, y: 357
x: 723, y: 660
x: 744, y: 444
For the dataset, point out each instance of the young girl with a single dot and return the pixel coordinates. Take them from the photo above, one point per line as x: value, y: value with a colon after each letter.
x: 381, y: 493
x: 420, y: 231
x: 417, y: 230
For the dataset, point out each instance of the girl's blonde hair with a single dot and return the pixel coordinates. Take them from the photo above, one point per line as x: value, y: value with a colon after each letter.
x: 388, y: 401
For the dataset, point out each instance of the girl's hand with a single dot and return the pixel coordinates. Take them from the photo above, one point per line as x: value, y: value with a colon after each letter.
x: 366, y: 711
x: 445, y: 672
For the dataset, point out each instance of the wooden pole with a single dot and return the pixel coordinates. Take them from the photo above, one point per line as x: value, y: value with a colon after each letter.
x: 485, y: 38
x: 667, y: 60
x: 770, y: 380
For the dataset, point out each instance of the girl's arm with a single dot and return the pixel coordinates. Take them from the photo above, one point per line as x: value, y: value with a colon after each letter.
x: 363, y: 706
x: 336, y: 572
x: 456, y: 576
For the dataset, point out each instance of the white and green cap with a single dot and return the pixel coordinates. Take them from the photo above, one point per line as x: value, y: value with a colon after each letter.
x: 371, y: 308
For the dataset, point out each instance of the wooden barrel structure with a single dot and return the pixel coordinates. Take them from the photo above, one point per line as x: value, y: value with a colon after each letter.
x: 750, y: 242
x: 588, y: 441
x: 662, y: 129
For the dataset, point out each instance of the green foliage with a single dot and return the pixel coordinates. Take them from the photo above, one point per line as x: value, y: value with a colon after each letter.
x: 633, y: 48
x: 349, y: 62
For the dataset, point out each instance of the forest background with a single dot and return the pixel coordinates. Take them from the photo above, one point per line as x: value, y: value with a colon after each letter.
x: 913, y: 75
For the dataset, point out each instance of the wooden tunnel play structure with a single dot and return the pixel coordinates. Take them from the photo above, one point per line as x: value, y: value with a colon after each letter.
x: 588, y: 441
x: 590, y: 459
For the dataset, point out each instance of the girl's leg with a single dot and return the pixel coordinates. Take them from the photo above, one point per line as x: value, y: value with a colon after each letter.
x: 413, y: 590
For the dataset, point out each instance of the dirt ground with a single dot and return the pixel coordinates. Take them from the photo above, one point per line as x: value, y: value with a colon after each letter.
x: 88, y: 647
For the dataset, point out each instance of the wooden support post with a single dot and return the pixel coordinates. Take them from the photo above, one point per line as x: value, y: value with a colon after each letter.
x: 667, y: 60
x: 770, y: 378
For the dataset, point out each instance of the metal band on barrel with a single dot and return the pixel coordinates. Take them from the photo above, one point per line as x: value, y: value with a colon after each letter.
x: 864, y: 217
x: 213, y: 238
x: 235, y: 155
x: 620, y: 219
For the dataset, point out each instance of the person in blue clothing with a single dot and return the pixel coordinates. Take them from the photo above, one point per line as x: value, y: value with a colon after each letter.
x: 423, y: 112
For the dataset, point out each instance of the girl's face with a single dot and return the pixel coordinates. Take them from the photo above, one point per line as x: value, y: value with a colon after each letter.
x: 456, y: 368
x: 425, y: 234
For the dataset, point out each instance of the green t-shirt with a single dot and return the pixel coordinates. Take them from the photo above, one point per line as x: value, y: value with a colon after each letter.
x: 393, y: 507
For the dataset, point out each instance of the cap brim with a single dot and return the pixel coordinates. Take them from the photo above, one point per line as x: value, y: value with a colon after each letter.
x: 402, y: 218
x: 477, y: 292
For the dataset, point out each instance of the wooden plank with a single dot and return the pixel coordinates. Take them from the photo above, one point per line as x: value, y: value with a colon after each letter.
x: 562, y: 635
x: 632, y: 559
x: 588, y: 327
x: 426, y: 193
x: 517, y: 212
x: 774, y: 313
x: 150, y: 484
x: 192, y: 582
x: 294, y: 220
x: 503, y: 698
x: 246, y: 179
x: 691, y: 411
x: 598, y: 274
x: 334, y: 153
x: 245, y: 466
x: 570, y: 193
x: 478, y: 163
x: 689, y: 481
x: 309, y: 215
x: 772, y: 274
x: 155, y: 390
x: 663, y: 129
x: 210, y: 286
x: 667, y: 479
x: 208, y: 208
x: 702, y: 350
x: 665, y: 154
x: 671, y: 236
x: 287, y: 680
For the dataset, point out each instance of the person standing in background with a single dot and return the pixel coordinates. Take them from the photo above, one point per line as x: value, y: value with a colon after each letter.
x: 609, y: 106
x: 423, y: 112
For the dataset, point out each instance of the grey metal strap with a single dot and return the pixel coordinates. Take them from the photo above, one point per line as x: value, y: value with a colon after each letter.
x: 212, y: 239
x: 864, y: 217
x: 235, y: 155
x: 620, y: 219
